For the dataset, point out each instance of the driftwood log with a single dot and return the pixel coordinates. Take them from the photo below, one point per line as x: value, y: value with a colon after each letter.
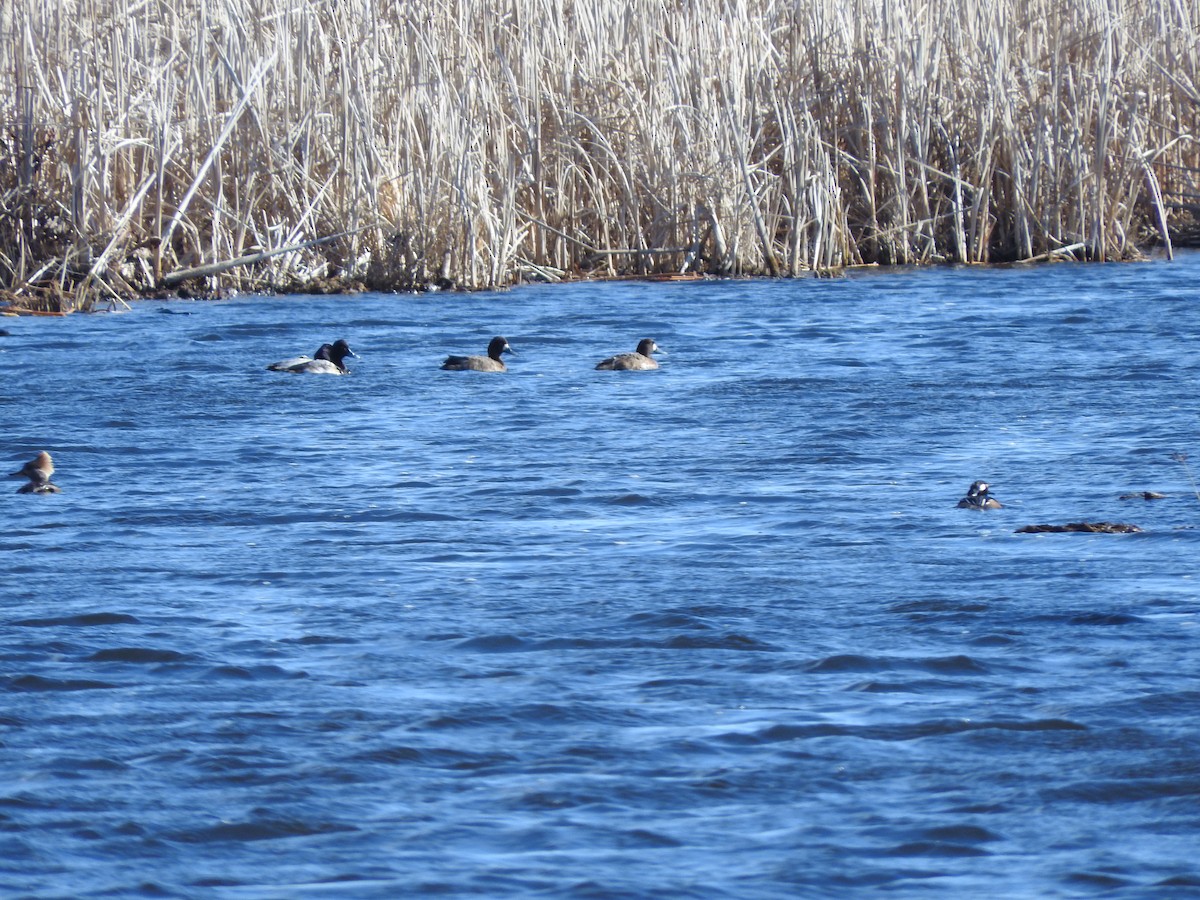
x: 1086, y: 527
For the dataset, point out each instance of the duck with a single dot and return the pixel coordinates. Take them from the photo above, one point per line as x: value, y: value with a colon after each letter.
x: 328, y: 360
x: 979, y: 497
x: 285, y: 365
x: 639, y: 359
x: 490, y: 363
x: 38, y: 470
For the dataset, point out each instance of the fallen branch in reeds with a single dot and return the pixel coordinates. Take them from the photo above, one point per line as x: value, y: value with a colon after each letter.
x: 1067, y: 252
x: 250, y: 259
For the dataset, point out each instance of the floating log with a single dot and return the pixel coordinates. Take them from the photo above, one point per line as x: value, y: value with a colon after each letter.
x: 1086, y: 527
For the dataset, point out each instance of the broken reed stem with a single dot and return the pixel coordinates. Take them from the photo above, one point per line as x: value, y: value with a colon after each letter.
x: 284, y: 143
x: 1182, y: 459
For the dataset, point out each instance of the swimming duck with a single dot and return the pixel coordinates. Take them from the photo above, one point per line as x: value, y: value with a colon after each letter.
x: 285, y: 365
x: 328, y: 360
x: 639, y: 359
x: 490, y: 363
x: 38, y: 470
x: 978, y: 497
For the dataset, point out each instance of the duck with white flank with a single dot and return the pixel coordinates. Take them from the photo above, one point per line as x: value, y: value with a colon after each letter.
x: 328, y: 360
x: 979, y: 497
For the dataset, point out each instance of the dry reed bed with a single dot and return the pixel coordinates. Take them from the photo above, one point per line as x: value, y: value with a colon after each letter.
x: 293, y: 144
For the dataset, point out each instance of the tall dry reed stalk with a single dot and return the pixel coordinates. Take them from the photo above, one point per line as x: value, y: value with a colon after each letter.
x: 1182, y: 459
x: 290, y: 144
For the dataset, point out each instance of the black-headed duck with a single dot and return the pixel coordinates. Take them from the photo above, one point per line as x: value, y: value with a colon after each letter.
x: 979, y: 497
x: 328, y: 360
x: 38, y: 470
x: 490, y: 363
x: 639, y: 359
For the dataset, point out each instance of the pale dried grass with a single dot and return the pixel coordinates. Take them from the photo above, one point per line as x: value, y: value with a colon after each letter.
x: 283, y: 144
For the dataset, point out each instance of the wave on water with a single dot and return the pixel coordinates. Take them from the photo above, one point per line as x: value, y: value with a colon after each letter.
x: 717, y: 631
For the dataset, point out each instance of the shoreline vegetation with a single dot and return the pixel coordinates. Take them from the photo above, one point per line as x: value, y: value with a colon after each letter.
x: 161, y: 148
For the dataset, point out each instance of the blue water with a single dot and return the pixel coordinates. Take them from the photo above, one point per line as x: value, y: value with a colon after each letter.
x: 716, y: 630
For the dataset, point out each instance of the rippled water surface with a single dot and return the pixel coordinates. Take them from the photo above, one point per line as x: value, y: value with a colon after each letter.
x: 716, y: 630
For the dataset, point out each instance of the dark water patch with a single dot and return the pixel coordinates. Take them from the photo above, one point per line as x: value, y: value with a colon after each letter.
x: 1097, y: 881
x: 1157, y: 705
x: 895, y: 733
x: 398, y: 514
x: 42, y: 649
x: 319, y: 640
x: 244, y: 769
x: 259, y: 829
x: 1148, y: 372
x: 556, y: 713
x: 853, y: 663
x: 254, y: 673
x: 540, y: 715
x: 563, y: 492
x: 495, y: 643
x: 544, y: 801
x: 1105, y: 619
x: 138, y: 655
x: 954, y: 665
x: 26, y: 802
x: 732, y: 641
x: 632, y: 500
x: 993, y: 640
x: 1180, y: 881
x: 936, y: 849
x: 961, y: 834
x: 940, y: 607
x: 38, y: 684
x: 848, y: 662
x: 86, y: 620
x: 437, y: 758
x: 637, y: 838
x: 1126, y: 790
x: 672, y: 620
x: 571, y: 644
x: 917, y: 686
x: 76, y: 765
x: 673, y: 682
